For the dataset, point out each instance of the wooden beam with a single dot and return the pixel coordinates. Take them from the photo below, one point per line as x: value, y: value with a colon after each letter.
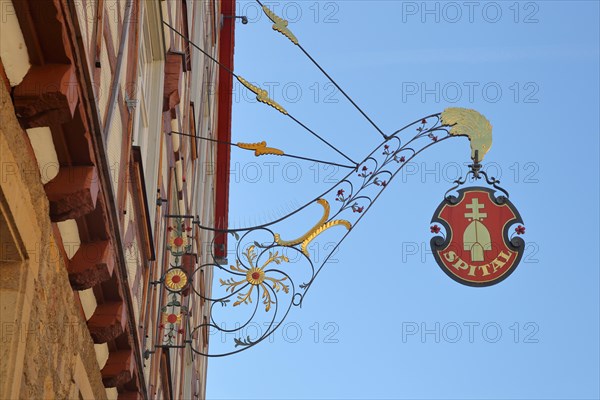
x: 224, y: 107
x: 194, y: 142
x: 99, y: 32
x: 27, y: 24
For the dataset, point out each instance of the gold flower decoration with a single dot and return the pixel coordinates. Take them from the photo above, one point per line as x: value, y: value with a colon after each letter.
x: 171, y: 318
x: 176, y: 279
x: 255, y: 276
x: 177, y: 241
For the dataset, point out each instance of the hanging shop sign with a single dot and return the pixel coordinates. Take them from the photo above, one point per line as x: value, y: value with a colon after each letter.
x: 479, y: 247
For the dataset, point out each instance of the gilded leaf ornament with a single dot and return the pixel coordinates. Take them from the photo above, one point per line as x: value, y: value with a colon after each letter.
x: 321, y: 229
x: 315, y: 231
x: 280, y: 25
x: 262, y: 95
x: 256, y: 278
x: 326, y: 209
x: 261, y: 149
x: 470, y: 123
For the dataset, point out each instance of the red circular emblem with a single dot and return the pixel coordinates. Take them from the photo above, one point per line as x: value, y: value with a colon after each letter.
x: 478, y: 248
x: 172, y: 318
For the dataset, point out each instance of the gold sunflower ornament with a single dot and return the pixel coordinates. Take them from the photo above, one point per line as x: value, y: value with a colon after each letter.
x: 177, y: 241
x: 176, y: 279
x: 255, y: 276
x: 171, y: 318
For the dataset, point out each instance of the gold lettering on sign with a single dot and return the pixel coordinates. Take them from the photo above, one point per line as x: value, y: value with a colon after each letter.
x: 450, y: 256
x: 460, y: 264
x: 477, y: 270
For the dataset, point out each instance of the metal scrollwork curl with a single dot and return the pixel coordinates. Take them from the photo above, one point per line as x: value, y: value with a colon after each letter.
x: 263, y: 282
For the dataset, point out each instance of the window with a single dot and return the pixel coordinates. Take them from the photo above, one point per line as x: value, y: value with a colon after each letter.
x: 148, y: 112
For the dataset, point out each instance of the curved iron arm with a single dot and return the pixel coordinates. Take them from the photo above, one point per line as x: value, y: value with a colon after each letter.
x: 259, y: 286
x: 253, y: 279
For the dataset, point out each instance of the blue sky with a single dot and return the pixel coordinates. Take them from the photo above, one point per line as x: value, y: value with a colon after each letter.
x: 532, y: 69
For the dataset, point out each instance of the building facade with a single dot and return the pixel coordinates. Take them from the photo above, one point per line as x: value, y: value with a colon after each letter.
x: 92, y: 92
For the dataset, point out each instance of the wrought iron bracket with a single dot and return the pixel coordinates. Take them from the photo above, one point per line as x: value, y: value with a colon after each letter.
x: 261, y: 283
x: 243, y: 18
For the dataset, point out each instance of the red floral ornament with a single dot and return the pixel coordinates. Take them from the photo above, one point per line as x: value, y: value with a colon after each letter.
x: 357, y: 209
x: 402, y: 159
x: 423, y: 121
x: 364, y: 173
x: 435, y: 229
x: 172, y: 318
x: 379, y: 182
x: 386, y: 150
x: 520, y: 230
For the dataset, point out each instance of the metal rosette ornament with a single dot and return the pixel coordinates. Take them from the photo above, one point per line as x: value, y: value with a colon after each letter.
x: 481, y: 245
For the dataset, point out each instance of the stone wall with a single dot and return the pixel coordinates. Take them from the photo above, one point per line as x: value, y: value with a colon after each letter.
x: 46, y: 351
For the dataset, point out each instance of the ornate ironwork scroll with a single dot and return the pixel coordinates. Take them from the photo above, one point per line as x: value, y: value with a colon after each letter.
x: 269, y: 273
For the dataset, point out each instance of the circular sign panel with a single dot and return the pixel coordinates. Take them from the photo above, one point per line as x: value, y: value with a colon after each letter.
x: 477, y: 249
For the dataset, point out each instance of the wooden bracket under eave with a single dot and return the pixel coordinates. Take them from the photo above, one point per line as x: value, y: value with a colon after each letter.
x: 51, y: 88
x: 93, y: 263
x: 108, y: 322
x: 119, y: 368
x: 73, y: 193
